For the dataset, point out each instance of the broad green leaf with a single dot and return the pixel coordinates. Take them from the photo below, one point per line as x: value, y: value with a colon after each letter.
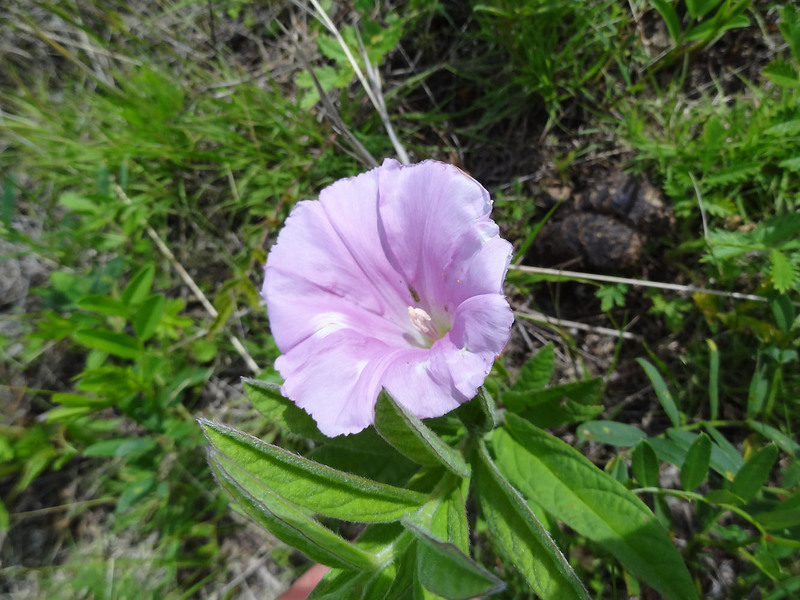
x: 267, y: 399
x: 412, y: 438
x: 783, y: 311
x: 520, y: 535
x: 644, y: 464
x: 139, y: 286
x: 695, y: 466
x: 286, y: 521
x: 713, y: 379
x: 720, y: 461
x: 781, y: 440
x: 592, y: 503
x: 446, y: 515
x: 80, y: 204
x: 148, y: 316
x: 563, y: 404
x: 366, y: 454
x: 309, y: 484
x: 662, y: 392
x: 699, y: 8
x: 118, y: 344
x: 136, y: 491
x: 479, y: 414
x: 754, y: 473
x: 445, y: 570
x: 105, y: 305
x: 780, y: 518
x: 711, y: 28
x: 731, y: 454
x: 79, y: 400
x: 67, y: 413
x: 612, y: 433
x: 536, y: 373
x: 667, y: 12
x: 784, y: 273
x: 783, y: 73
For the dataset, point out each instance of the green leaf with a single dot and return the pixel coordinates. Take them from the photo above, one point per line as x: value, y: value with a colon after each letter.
x: 366, y: 454
x: 644, y: 464
x: 699, y: 8
x: 713, y: 379
x: 287, y: 522
x: 105, y: 305
x: 662, y: 392
x: 782, y: 73
x: 783, y: 311
x: 445, y: 570
x: 139, y: 286
x: 537, y: 371
x: 412, y: 438
x: 309, y: 484
x: 67, y: 413
x: 449, y: 520
x: 135, y: 492
x: 148, y: 316
x: 267, y: 399
x: 80, y: 204
x: 118, y: 344
x: 784, y: 273
x: 5, y: 522
x: 479, y: 414
x: 711, y: 28
x: 695, y: 466
x: 722, y: 462
x: 667, y: 12
x: 592, y: 503
x: 783, y: 441
x: 562, y: 404
x: 520, y: 535
x: 612, y: 433
x: 754, y: 473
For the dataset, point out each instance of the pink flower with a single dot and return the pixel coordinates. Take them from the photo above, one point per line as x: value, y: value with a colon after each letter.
x: 392, y: 279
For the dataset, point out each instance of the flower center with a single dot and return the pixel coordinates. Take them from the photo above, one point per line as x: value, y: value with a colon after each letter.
x: 422, y: 322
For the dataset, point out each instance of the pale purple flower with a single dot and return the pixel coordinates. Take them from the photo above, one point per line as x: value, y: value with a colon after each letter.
x: 392, y: 279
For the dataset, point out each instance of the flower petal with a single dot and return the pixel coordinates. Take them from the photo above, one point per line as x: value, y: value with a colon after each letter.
x: 326, y: 254
x: 425, y: 210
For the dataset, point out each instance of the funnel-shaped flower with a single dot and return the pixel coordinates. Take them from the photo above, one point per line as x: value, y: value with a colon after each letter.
x: 393, y: 279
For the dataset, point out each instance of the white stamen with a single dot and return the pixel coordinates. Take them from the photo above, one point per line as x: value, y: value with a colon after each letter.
x: 421, y: 321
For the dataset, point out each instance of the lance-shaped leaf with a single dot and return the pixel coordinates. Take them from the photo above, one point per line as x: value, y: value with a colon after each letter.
x: 445, y: 570
x: 267, y: 399
x: 695, y: 466
x: 309, y: 484
x: 593, y: 503
x: 752, y: 474
x: 662, y: 392
x: 412, y: 438
x: 521, y: 536
x: 287, y: 522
